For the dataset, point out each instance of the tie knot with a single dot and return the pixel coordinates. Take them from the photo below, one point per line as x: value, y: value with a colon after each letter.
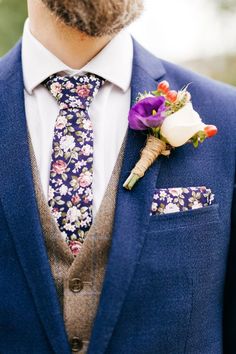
x: 74, y: 91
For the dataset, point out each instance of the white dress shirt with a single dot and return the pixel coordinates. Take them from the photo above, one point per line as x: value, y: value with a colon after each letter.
x: 108, y: 111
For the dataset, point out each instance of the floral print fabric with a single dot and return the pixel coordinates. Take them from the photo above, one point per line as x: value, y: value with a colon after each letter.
x: 174, y: 200
x: 70, y: 194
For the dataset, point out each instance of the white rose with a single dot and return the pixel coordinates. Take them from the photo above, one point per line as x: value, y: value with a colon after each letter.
x: 55, y: 88
x: 171, y: 208
x: 67, y: 143
x: 61, y: 122
x: 63, y: 190
x: 69, y: 227
x: 181, y: 126
x: 87, y: 124
x: 87, y: 150
x: 196, y: 205
x: 51, y: 193
x: 73, y: 214
x: 56, y: 214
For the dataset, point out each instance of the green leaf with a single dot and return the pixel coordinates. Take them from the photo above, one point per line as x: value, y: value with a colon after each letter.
x: 156, y: 93
x: 71, y: 129
x: 195, y: 143
x: 60, y: 202
x: 83, y: 210
x: 75, y: 155
x: 67, y: 155
x: 69, y: 204
x: 64, y: 177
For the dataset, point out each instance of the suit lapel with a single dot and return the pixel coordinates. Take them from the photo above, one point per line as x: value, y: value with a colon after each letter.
x: 131, y: 216
x: 19, y: 203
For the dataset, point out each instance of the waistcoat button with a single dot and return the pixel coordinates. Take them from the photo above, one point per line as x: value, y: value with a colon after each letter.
x: 76, y: 344
x: 75, y: 285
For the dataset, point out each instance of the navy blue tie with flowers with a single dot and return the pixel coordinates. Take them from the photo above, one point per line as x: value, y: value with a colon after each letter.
x: 70, y: 194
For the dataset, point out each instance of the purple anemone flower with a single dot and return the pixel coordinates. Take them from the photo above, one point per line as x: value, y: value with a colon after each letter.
x: 147, y: 113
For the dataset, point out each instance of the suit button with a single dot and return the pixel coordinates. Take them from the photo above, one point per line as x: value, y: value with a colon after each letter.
x: 75, y: 285
x: 76, y: 344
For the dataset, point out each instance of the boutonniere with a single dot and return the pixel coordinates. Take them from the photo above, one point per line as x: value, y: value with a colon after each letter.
x: 170, y: 121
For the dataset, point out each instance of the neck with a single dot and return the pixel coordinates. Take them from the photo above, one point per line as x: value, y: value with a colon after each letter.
x: 71, y: 46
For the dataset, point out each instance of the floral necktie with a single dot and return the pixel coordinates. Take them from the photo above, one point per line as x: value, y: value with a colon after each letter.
x: 70, y: 194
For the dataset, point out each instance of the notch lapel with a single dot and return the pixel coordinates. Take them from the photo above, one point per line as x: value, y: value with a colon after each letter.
x: 132, y: 213
x: 19, y: 203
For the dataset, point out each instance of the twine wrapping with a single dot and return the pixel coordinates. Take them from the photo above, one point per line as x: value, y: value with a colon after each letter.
x: 153, y: 149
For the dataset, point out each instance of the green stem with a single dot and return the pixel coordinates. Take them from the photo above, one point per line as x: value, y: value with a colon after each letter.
x: 131, y: 181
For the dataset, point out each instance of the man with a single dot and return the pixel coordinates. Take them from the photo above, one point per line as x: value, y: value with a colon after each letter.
x: 128, y: 282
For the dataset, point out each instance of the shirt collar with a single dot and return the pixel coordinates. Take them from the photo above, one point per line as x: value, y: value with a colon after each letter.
x: 113, y: 63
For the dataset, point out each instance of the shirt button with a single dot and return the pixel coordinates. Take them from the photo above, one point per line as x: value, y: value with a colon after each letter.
x: 75, y: 285
x: 76, y: 344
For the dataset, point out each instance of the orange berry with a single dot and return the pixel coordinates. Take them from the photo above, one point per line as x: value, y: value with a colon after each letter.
x: 210, y: 130
x: 172, y: 96
x: 163, y: 86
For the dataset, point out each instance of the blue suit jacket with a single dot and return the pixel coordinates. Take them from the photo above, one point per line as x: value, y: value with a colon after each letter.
x: 165, y: 279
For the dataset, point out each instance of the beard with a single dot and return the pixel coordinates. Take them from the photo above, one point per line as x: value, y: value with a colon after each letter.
x: 96, y: 18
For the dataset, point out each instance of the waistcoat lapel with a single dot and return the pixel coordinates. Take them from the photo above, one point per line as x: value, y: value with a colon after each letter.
x: 19, y: 203
x: 132, y: 213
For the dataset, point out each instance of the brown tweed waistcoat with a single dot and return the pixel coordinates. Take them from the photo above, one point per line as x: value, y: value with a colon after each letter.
x: 79, y: 280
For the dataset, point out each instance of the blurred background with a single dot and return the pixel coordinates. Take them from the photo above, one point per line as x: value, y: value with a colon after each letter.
x: 199, y: 34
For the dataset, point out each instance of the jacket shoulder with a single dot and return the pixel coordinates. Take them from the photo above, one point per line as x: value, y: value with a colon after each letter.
x: 204, y: 84
x: 10, y: 63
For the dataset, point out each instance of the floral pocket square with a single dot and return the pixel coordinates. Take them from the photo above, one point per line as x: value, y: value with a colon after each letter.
x: 174, y: 200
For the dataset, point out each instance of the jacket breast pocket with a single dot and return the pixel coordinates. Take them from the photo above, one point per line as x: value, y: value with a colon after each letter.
x: 185, y: 219
x: 183, y: 262
x: 190, y: 240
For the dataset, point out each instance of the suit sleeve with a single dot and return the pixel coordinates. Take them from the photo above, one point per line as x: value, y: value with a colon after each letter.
x: 229, y: 323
